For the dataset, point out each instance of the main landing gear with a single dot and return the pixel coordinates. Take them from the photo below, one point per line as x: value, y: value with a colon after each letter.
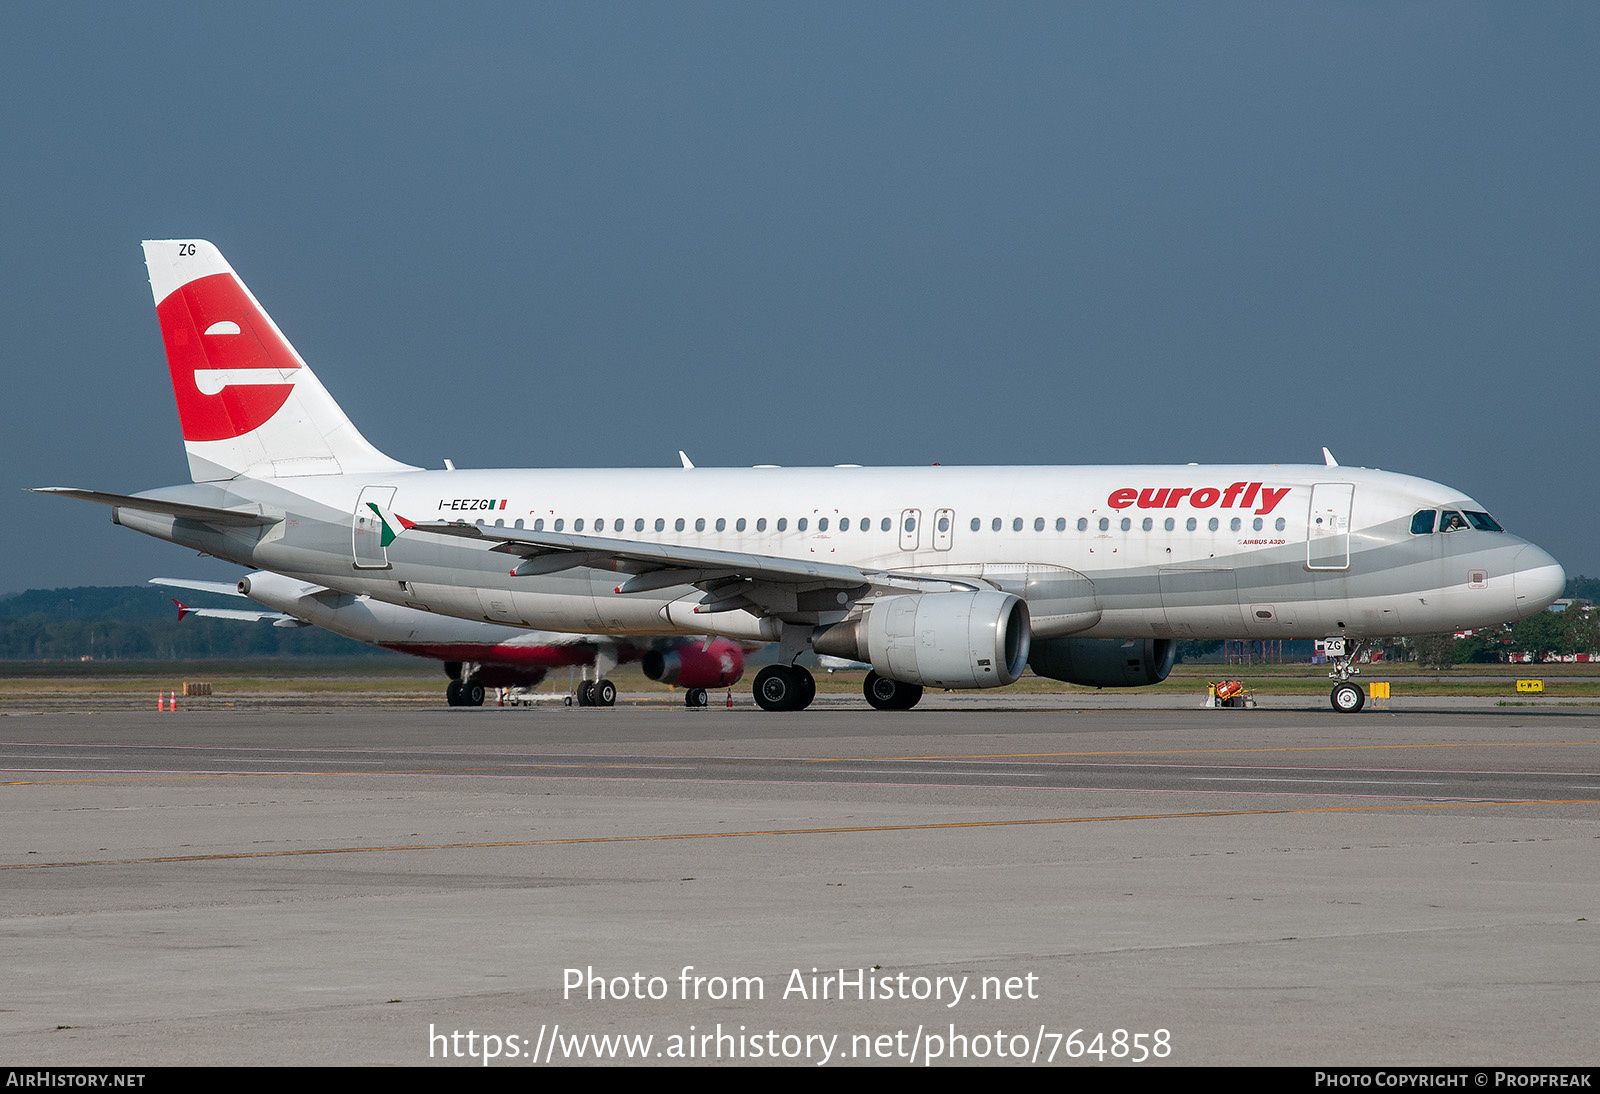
x: 464, y: 690
x: 596, y: 693
x: 1347, y: 696
x: 784, y: 687
x: 885, y: 694
x: 696, y: 698
x: 464, y: 693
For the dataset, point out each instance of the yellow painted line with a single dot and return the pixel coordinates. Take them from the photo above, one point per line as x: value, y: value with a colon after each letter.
x: 782, y: 832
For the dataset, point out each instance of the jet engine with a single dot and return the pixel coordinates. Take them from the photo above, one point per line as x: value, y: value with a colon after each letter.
x: 943, y: 640
x: 1104, y: 662
x: 695, y: 665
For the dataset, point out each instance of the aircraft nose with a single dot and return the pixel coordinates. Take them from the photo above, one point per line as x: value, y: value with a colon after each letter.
x: 1537, y: 580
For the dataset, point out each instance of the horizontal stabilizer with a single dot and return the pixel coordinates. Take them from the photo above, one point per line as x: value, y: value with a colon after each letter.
x: 236, y: 518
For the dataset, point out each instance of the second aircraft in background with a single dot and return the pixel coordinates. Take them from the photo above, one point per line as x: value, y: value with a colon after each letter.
x: 477, y: 655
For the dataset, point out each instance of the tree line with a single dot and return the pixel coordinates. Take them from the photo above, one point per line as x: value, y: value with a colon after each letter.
x: 139, y: 622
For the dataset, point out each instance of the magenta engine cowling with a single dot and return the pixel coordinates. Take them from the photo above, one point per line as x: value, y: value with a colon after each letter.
x: 695, y: 665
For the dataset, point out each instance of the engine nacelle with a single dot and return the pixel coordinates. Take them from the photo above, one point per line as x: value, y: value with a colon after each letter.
x: 942, y: 640
x: 690, y: 666
x: 1105, y: 662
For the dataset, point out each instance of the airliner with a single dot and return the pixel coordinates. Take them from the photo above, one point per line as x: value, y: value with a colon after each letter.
x: 944, y: 577
x: 476, y: 655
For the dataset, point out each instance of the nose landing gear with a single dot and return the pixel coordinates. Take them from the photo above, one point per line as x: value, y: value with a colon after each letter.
x: 1347, y: 696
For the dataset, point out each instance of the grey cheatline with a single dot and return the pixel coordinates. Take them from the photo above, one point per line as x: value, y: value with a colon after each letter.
x: 944, y: 577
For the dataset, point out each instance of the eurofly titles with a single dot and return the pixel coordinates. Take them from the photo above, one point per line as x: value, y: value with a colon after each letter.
x: 1264, y: 498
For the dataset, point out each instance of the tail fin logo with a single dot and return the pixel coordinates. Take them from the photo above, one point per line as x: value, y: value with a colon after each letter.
x: 231, y: 370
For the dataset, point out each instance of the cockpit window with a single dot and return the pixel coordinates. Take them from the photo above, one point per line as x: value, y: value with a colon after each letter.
x: 1483, y: 522
x: 1422, y: 523
x: 1450, y: 521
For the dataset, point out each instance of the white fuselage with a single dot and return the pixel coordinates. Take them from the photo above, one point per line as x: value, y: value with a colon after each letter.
x: 1115, y: 552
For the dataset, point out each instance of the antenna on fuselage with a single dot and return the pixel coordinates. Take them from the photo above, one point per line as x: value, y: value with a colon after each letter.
x: 1327, y: 457
x: 688, y: 464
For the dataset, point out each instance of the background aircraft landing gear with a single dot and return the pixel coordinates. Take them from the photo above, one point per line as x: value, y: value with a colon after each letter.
x: 696, y: 697
x: 784, y: 687
x: 464, y: 693
x: 1347, y: 697
x: 885, y: 694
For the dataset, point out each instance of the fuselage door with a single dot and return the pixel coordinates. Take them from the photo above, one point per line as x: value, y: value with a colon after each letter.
x: 910, y: 529
x: 1328, y: 531
x: 367, y: 529
x: 944, y: 526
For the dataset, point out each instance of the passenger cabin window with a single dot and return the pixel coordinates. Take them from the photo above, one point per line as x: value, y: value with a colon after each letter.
x: 994, y: 525
x: 1083, y: 524
x: 976, y: 523
x: 661, y: 524
x: 886, y: 524
x: 699, y: 524
x: 677, y: 525
x: 800, y: 525
x: 783, y: 524
x: 1105, y: 523
x: 761, y: 524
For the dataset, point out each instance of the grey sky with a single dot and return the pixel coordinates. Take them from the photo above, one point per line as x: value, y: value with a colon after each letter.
x: 547, y: 235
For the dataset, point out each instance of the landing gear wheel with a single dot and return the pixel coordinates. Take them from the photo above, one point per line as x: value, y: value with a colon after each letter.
x: 805, y: 686
x: 1348, y: 698
x: 776, y: 688
x: 604, y: 693
x: 586, y: 693
x: 885, y: 694
x: 452, y: 693
x: 696, y: 697
x: 472, y: 693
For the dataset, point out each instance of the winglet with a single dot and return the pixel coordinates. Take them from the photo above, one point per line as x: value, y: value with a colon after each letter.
x: 183, y: 610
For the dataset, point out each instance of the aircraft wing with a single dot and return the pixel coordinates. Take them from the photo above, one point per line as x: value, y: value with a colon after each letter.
x: 221, y: 588
x: 246, y: 614
x: 182, y: 510
x: 730, y: 579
